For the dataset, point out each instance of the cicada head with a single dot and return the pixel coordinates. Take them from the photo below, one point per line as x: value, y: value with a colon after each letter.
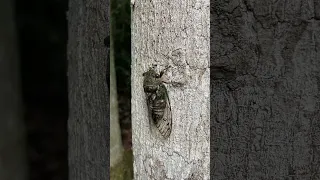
x: 151, y: 81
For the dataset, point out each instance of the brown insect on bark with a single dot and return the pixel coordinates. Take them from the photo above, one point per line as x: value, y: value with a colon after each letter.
x: 159, y: 108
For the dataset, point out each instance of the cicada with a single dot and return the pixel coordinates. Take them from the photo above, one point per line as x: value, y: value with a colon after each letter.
x: 158, y: 103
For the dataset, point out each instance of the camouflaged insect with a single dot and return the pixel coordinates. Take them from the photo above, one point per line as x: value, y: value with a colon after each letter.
x: 159, y: 108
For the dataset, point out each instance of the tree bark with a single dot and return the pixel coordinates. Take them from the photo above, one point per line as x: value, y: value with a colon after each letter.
x: 265, y: 63
x: 88, y: 63
x: 174, y: 33
x: 13, y: 164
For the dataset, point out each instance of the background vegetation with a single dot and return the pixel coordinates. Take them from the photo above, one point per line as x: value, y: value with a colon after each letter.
x: 121, y: 19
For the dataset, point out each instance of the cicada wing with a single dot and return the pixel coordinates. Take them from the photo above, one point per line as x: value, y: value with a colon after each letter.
x: 164, y: 125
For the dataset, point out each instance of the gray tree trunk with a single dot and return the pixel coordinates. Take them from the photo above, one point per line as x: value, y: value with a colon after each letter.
x: 12, y: 131
x: 265, y: 89
x: 88, y: 63
x: 116, y: 148
x: 172, y: 33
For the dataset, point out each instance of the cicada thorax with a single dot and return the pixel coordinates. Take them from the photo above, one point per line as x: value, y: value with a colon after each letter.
x: 150, y: 88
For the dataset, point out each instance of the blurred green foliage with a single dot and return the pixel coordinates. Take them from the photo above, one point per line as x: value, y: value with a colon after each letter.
x: 123, y: 170
x: 121, y: 32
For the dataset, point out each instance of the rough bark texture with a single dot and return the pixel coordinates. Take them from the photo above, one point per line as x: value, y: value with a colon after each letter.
x: 88, y: 63
x: 265, y: 97
x: 12, y: 133
x: 172, y: 33
x: 116, y: 148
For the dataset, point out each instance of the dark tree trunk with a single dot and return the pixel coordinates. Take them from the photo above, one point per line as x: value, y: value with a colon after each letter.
x: 12, y: 131
x: 265, y: 71
x: 88, y: 64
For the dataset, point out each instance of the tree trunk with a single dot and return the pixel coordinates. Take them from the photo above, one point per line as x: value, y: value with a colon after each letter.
x: 116, y: 148
x: 88, y: 63
x: 265, y: 89
x: 13, y: 164
x: 174, y: 33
